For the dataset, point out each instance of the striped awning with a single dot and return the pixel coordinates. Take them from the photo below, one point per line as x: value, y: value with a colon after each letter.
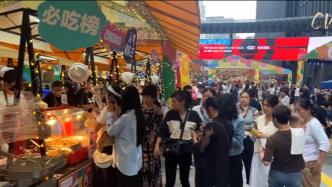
x: 180, y: 21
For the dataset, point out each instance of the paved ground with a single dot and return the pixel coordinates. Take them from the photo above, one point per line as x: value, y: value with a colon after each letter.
x: 326, y: 176
x: 327, y: 173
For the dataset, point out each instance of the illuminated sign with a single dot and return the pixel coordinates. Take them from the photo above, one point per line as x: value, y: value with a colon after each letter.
x: 327, y: 21
x: 288, y: 49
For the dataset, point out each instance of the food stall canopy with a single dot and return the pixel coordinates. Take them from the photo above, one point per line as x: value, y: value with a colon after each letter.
x: 180, y: 21
x: 232, y: 62
x: 10, y: 31
x: 326, y: 84
x: 323, y: 52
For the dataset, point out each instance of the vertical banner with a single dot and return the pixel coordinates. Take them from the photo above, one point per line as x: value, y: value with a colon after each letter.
x: 26, y: 73
x: 299, y: 72
x: 289, y: 79
x: 210, y: 73
x: 184, y: 69
x: 167, y: 78
x: 57, y: 73
x: 130, y: 45
x: 154, y: 56
x: 256, y: 75
x: 178, y: 74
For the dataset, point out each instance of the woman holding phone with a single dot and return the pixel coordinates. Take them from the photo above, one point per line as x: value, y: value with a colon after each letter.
x: 263, y: 129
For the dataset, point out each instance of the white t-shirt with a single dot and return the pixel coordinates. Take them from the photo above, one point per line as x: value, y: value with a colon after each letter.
x: 268, y: 129
x: 297, y: 92
x: 272, y: 90
x: 198, y: 93
x: 285, y: 100
x: 315, y: 140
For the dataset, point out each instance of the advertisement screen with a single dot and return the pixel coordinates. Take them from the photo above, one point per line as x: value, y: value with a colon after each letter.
x: 288, y: 49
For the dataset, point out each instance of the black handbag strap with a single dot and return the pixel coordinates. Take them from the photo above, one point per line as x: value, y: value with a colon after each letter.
x: 183, y: 124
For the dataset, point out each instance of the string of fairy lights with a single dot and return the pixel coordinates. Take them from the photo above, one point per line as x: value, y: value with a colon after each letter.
x: 130, y: 14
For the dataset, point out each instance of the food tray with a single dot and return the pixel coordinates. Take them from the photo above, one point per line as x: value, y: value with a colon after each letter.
x: 35, y: 167
x: 78, y: 156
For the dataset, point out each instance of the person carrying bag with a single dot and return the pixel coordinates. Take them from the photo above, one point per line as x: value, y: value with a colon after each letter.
x: 175, y: 131
x: 178, y: 146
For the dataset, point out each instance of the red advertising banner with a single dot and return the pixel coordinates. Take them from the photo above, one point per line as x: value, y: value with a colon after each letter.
x: 288, y: 49
x: 114, y: 37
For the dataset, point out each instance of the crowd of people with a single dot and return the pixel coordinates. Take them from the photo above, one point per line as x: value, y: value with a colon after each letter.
x: 279, y: 136
x: 276, y: 142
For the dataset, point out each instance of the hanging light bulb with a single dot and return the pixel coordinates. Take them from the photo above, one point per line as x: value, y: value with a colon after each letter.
x: 67, y: 119
x: 52, y: 121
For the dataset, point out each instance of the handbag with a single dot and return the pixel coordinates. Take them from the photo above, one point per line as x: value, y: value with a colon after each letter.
x: 178, y: 146
x: 102, y: 156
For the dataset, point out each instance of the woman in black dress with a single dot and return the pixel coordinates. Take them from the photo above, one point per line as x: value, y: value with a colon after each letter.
x: 212, y: 151
x: 153, y: 114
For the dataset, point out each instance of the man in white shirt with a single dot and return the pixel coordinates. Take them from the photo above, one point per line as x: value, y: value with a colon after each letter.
x: 272, y: 90
x: 297, y: 93
x: 199, y: 89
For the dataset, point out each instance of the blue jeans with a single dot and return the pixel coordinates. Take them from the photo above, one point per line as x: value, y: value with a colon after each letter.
x: 283, y: 179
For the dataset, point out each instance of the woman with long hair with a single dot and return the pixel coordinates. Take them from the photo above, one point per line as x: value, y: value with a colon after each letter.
x: 212, y: 151
x: 264, y: 127
x: 316, y: 144
x: 128, y: 133
x: 153, y: 116
x: 105, y: 176
x: 176, y: 132
x: 248, y: 113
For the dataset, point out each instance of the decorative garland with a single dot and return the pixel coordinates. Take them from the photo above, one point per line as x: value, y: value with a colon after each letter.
x: 167, y: 79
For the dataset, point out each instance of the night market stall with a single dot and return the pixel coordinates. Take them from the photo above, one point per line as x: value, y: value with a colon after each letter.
x: 317, y: 64
x: 235, y: 66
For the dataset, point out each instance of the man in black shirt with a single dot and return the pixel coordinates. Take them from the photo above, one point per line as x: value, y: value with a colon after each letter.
x: 305, y: 93
x: 54, y: 99
x: 253, y: 101
x: 322, y: 114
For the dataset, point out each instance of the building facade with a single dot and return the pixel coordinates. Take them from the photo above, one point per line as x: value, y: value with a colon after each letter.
x: 314, y: 74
